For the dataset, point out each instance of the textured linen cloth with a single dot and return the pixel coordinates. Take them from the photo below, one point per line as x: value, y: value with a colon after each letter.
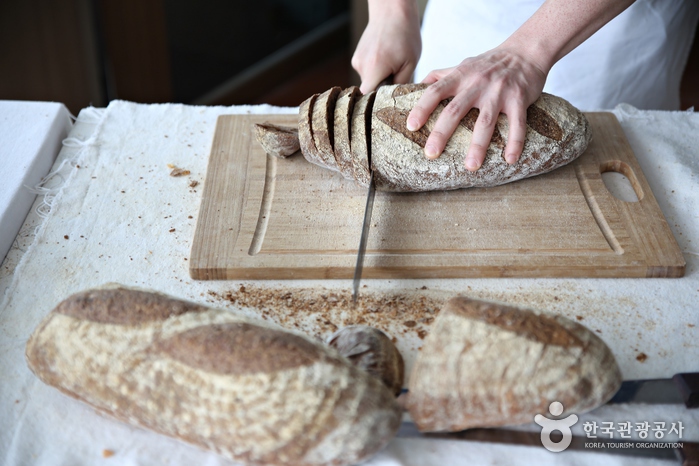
x: 118, y: 216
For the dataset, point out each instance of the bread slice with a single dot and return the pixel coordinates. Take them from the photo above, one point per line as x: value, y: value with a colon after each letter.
x: 322, y: 123
x: 342, y: 122
x: 308, y: 147
x: 278, y: 141
x: 360, y: 140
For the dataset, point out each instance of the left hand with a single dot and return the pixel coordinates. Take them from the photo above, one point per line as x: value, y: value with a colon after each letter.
x: 499, y: 81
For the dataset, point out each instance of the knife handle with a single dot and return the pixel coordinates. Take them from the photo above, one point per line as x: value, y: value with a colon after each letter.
x: 688, y: 386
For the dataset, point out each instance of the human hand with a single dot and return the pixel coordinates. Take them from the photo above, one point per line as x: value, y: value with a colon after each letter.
x: 499, y: 81
x: 390, y: 44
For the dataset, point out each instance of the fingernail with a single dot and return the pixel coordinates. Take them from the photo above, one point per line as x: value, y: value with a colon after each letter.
x: 471, y: 165
x: 412, y: 124
x: 431, y: 151
x: 511, y: 158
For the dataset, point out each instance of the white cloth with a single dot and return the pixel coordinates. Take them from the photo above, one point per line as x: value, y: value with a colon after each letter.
x: 111, y: 222
x: 30, y: 138
x: 637, y: 58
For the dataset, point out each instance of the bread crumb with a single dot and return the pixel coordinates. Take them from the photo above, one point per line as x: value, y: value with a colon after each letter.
x: 193, y: 184
x: 176, y: 171
x: 641, y: 357
x: 320, y: 312
x: 107, y: 453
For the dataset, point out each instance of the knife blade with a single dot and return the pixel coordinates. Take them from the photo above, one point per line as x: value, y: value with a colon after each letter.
x: 361, y: 251
x: 363, y: 239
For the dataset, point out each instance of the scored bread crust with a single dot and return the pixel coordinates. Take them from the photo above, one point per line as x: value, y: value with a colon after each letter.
x: 248, y: 391
x: 342, y: 121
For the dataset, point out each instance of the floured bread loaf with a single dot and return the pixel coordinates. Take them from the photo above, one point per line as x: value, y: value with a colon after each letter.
x: 249, y: 392
x: 557, y: 133
x: 485, y: 365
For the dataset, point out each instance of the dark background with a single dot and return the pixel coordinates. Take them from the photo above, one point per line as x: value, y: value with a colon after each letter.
x: 210, y: 52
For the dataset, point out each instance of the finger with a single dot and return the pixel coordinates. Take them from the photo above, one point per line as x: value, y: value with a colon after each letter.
x: 429, y: 100
x: 517, y: 119
x: 446, y: 125
x: 482, y: 132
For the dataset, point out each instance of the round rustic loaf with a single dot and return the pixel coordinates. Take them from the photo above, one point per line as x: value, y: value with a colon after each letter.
x: 250, y: 392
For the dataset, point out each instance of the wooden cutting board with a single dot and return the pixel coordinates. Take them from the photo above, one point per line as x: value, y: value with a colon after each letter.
x: 267, y: 218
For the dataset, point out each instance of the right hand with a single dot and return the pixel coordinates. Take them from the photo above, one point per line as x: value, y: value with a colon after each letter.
x: 390, y: 44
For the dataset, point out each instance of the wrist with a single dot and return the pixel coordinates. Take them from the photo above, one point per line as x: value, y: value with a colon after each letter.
x: 405, y: 9
x: 533, y: 50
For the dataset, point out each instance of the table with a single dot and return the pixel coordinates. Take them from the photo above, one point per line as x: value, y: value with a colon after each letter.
x: 118, y: 216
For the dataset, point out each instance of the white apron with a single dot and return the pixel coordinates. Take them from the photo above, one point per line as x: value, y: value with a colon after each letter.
x: 637, y: 58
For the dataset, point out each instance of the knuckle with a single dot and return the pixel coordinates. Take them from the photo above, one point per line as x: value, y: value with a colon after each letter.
x: 437, y: 135
x: 477, y: 147
x: 454, y: 110
x: 486, y: 118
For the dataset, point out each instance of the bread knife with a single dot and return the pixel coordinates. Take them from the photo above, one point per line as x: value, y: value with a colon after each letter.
x: 361, y: 251
x: 363, y: 240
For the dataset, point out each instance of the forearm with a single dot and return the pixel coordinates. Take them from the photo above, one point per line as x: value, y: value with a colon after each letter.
x: 559, y: 26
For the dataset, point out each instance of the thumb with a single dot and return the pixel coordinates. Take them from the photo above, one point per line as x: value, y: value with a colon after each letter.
x: 404, y: 75
x: 373, y: 78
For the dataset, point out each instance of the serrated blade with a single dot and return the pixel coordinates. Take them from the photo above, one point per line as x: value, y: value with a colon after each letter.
x: 363, y: 240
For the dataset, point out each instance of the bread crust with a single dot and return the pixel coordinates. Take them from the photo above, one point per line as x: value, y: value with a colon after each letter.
x: 248, y: 391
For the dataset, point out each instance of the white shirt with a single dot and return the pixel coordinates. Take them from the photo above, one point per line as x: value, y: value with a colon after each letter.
x: 637, y: 58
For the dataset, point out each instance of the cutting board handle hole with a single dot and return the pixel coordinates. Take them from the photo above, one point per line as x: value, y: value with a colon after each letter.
x: 621, y: 181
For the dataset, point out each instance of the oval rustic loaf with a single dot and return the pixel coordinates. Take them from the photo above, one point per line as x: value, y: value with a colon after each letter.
x: 251, y: 393
x: 557, y: 133
x: 485, y: 364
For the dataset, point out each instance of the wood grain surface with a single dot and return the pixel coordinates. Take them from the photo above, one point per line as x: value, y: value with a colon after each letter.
x: 266, y: 218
